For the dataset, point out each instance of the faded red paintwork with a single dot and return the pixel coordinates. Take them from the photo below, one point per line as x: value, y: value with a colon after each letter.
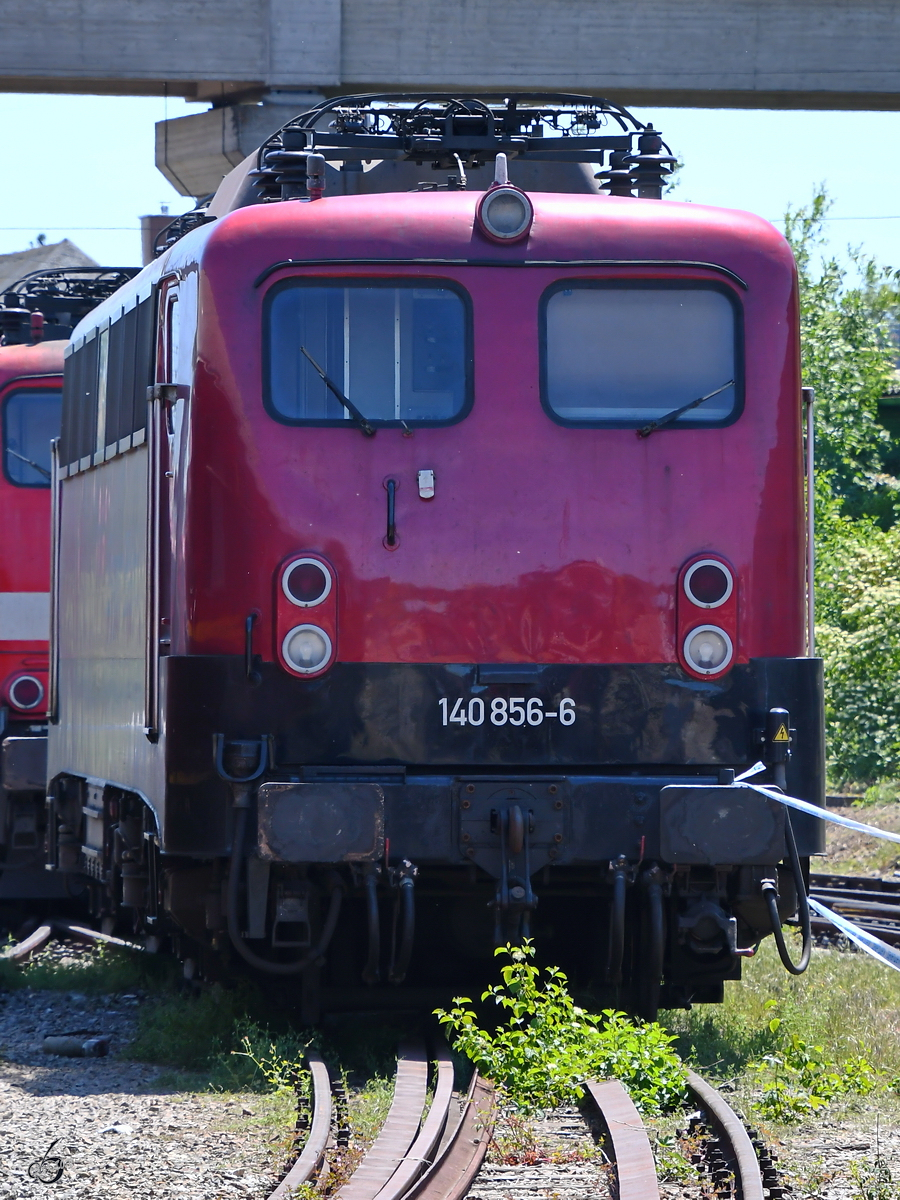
x: 543, y: 543
x: 25, y: 518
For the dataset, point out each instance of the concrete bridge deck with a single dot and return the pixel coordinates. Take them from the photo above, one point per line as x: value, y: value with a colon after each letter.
x: 716, y: 53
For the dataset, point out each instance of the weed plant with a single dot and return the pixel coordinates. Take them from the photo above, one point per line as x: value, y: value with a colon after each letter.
x: 548, y: 1046
x: 799, y: 1079
x: 670, y: 1153
x: 874, y: 1181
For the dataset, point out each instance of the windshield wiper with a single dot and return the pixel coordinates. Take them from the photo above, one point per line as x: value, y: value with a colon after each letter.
x: 31, y: 463
x: 646, y: 430
x: 368, y: 430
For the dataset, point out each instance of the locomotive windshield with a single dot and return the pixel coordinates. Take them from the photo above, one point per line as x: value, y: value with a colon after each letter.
x: 30, y: 421
x: 399, y: 352
x: 621, y: 354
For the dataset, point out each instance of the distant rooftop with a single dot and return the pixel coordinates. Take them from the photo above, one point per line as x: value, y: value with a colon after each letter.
x: 40, y: 258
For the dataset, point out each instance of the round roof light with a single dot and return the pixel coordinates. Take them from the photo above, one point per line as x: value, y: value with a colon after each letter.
x: 708, y: 583
x: 306, y: 649
x: 505, y: 213
x: 306, y: 582
x: 708, y: 649
x: 26, y: 692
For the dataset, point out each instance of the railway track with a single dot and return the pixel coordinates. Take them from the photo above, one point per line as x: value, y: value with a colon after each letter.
x: 434, y: 1152
x: 874, y: 904
x: 418, y: 1155
x: 433, y: 1144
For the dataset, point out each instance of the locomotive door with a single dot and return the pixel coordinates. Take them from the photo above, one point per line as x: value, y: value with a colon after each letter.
x: 177, y: 308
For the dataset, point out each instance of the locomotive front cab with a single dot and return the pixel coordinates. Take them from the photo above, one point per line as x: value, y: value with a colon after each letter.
x: 527, y: 624
x: 474, y: 545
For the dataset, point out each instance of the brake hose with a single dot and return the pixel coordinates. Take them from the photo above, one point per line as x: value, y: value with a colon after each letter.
x: 370, y: 971
x: 617, y: 922
x: 255, y: 960
x: 770, y: 893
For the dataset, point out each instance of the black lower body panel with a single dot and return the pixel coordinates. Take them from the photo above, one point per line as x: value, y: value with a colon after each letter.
x: 607, y: 737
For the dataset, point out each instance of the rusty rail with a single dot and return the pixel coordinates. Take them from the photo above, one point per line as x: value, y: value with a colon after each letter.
x: 21, y: 951
x: 82, y: 933
x: 414, y: 1156
x: 454, y: 1170
x: 628, y: 1141
x: 314, y: 1149
x: 735, y: 1143
x: 874, y: 904
x: 421, y: 1152
x: 399, y: 1130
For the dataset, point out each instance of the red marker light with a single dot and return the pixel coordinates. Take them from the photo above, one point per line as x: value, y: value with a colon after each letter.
x: 306, y: 582
x: 708, y: 583
x: 26, y: 692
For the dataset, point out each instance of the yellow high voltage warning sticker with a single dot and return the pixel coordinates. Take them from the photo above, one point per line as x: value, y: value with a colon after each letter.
x: 782, y: 735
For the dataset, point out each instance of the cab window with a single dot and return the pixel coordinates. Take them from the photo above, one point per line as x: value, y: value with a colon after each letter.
x: 31, y: 419
x: 400, y: 352
x: 623, y: 354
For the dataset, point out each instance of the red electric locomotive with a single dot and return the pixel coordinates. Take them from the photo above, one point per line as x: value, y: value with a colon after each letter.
x: 37, y: 316
x: 430, y: 555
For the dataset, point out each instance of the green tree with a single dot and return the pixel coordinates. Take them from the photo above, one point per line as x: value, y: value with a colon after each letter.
x: 848, y: 357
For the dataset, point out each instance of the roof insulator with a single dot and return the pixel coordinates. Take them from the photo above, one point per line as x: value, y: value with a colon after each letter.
x: 617, y: 179
x: 651, y: 165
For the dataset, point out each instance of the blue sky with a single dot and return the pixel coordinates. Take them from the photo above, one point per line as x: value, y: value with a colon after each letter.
x: 82, y: 167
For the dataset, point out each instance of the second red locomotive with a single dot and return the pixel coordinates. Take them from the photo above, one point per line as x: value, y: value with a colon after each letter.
x: 37, y: 316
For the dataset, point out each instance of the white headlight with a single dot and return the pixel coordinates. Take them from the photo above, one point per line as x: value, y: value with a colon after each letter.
x: 505, y: 213
x: 708, y: 649
x: 306, y: 648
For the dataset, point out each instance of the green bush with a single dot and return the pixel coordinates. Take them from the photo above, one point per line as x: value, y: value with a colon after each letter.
x: 548, y: 1046
x: 858, y: 635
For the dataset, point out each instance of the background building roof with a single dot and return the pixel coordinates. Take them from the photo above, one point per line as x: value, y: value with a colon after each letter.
x: 41, y: 258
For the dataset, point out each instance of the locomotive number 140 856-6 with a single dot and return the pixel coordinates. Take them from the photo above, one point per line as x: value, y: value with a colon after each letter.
x: 513, y: 711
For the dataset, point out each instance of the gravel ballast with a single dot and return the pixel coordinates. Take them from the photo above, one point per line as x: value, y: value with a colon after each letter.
x: 118, y: 1132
